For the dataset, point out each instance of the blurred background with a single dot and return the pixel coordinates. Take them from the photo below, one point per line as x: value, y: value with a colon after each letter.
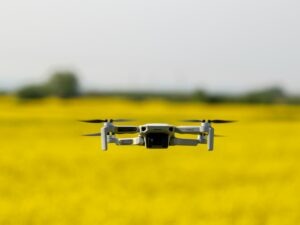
x: 156, y: 61
x: 219, y: 46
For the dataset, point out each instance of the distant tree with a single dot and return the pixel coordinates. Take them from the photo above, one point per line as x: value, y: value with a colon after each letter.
x: 32, y: 92
x: 216, y: 98
x: 2, y: 92
x: 269, y: 95
x: 199, y: 95
x: 63, y: 84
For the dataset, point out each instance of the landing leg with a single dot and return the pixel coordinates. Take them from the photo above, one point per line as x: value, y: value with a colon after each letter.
x: 104, y: 139
x: 210, y: 139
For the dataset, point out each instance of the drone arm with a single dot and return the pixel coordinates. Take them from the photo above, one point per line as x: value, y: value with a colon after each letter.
x: 181, y: 141
x: 187, y: 129
x: 127, y: 141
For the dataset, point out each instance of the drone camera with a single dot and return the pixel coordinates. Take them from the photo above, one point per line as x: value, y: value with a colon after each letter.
x: 157, y: 140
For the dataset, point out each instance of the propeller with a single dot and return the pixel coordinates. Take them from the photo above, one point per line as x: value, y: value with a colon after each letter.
x: 92, y: 135
x: 106, y: 120
x: 221, y: 121
x: 209, y: 121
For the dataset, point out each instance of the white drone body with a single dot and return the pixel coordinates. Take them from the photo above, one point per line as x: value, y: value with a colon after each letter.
x: 156, y: 135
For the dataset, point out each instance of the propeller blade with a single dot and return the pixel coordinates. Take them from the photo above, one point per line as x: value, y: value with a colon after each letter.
x: 106, y: 120
x: 216, y: 135
x: 92, y: 135
x: 121, y: 120
x: 209, y: 121
x: 93, y: 121
x: 221, y: 121
x: 193, y: 121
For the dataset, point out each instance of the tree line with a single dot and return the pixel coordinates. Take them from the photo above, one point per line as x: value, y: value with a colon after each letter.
x: 62, y: 84
x: 65, y: 84
x: 271, y: 95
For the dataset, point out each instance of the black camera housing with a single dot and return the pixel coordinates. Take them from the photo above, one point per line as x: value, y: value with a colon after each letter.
x: 157, y: 140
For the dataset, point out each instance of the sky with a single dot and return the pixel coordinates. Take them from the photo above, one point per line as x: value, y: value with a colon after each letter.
x: 216, y: 45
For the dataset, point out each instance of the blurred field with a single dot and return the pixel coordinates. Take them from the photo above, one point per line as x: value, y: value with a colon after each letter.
x: 51, y: 175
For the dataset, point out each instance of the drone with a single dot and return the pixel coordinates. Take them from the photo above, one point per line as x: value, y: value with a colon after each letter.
x: 156, y: 135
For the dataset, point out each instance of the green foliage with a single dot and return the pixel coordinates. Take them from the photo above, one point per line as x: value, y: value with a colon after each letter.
x: 270, y: 95
x: 199, y: 95
x: 63, y: 84
x: 2, y: 92
x: 32, y: 92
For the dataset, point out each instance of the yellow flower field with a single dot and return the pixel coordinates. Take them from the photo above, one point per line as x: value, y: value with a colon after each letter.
x: 49, y: 174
